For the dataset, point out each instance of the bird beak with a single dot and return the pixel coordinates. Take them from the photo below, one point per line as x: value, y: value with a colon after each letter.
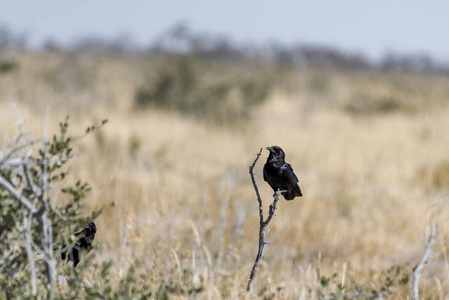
x: 268, y: 148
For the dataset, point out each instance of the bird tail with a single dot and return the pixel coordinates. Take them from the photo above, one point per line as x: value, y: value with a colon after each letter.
x: 294, y: 192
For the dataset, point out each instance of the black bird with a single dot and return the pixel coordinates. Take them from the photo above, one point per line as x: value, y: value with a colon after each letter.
x: 84, y: 243
x: 279, y: 174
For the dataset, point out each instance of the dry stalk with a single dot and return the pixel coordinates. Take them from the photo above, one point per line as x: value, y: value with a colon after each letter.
x: 422, y: 262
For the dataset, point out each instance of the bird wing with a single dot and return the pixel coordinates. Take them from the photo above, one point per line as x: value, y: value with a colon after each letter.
x: 288, y: 174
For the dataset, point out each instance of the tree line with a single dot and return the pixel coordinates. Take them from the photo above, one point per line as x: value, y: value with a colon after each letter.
x: 181, y: 39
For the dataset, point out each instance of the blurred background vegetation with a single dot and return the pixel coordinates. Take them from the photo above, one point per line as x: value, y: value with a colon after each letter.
x: 187, y: 114
x: 216, y: 79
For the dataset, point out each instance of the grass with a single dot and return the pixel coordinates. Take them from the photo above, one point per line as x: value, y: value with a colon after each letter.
x: 184, y: 203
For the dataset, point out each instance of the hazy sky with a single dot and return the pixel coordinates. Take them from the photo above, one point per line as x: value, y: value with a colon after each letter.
x: 372, y: 27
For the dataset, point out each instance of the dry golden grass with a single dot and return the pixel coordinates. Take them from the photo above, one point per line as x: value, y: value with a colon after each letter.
x: 183, y: 197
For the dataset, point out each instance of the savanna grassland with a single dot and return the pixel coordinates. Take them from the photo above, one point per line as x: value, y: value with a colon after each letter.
x: 370, y: 149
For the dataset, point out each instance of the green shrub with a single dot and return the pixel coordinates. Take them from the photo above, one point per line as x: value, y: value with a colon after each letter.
x: 364, y: 103
x: 185, y: 86
x: 65, y: 216
x: 7, y: 66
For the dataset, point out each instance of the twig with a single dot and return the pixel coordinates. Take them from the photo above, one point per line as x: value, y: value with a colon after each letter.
x: 7, y: 157
x: 16, y: 195
x: 11, y: 157
x: 263, y: 224
x: 40, y: 254
x: 29, y: 177
x: 45, y: 228
x: 178, y: 264
x: 27, y: 219
x: 420, y: 265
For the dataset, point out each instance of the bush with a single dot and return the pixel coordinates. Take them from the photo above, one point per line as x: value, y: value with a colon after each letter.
x: 182, y: 86
x: 7, y: 66
x: 30, y: 224
x: 362, y: 103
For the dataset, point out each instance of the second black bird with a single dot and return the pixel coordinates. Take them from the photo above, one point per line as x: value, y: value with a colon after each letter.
x: 84, y: 243
x: 280, y: 175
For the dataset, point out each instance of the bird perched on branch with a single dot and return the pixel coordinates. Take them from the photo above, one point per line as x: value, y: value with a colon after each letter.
x: 87, y: 236
x: 279, y: 174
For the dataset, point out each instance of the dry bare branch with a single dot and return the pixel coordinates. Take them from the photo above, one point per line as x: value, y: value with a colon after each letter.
x: 6, y: 156
x: 45, y: 229
x: 27, y: 218
x: 12, y: 158
x: 28, y: 177
x: 262, y: 224
x: 178, y: 264
x: 18, y: 196
x: 422, y: 262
